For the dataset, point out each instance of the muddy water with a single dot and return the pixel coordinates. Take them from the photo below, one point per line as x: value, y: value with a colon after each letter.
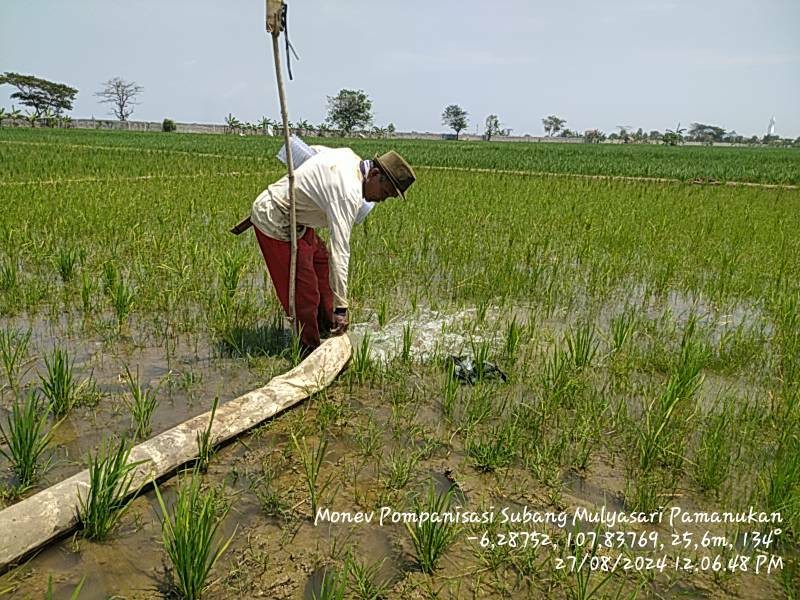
x: 186, y: 381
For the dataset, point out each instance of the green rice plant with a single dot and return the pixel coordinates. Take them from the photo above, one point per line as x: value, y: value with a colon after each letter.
x: 188, y: 532
x: 368, y: 437
x: 87, y: 291
x: 481, y: 352
x: 332, y: 586
x: 513, y: 334
x: 231, y: 266
x: 362, y: 365
x: 383, y: 313
x: 27, y: 439
x: 364, y: 578
x: 408, y: 338
x: 110, y: 276
x: 75, y: 592
x: 122, y: 299
x: 432, y: 538
x: 479, y: 406
x: 450, y: 391
x: 399, y: 468
x: 712, y: 461
x: 311, y: 460
x: 205, y: 449
x: 623, y: 327
x: 582, y: 345
x: 66, y: 260
x: 9, y: 274
x: 496, y: 449
x: 556, y: 378
x: 141, y: 405
x: 59, y: 386
x: 110, y: 481
x: 13, y: 355
x: 269, y: 496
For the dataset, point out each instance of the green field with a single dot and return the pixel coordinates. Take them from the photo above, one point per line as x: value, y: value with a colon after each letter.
x: 649, y: 331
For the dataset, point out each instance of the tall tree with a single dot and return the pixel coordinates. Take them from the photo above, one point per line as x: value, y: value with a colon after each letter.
x: 349, y: 109
x: 121, y: 95
x: 553, y: 124
x: 455, y: 118
x: 701, y: 132
x: 40, y: 94
x: 492, y: 127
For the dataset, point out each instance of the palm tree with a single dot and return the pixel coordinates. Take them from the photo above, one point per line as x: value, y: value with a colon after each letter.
x: 232, y: 123
x: 32, y: 117
x: 673, y: 137
x: 14, y: 115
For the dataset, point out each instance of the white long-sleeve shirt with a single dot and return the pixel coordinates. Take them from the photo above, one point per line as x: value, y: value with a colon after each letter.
x: 328, y: 193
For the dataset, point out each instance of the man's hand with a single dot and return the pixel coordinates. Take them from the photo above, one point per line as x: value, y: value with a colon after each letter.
x: 340, y: 321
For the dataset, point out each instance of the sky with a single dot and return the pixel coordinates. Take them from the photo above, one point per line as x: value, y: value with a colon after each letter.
x: 639, y: 63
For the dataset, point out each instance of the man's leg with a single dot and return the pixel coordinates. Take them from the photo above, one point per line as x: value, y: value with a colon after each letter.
x: 277, y: 256
x: 322, y: 270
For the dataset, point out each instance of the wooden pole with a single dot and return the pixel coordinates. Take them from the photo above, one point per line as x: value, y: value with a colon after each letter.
x: 290, y: 167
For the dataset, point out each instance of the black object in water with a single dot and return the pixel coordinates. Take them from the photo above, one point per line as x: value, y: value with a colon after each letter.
x: 466, y: 371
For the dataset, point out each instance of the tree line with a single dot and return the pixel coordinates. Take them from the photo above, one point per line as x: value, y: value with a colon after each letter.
x: 349, y: 111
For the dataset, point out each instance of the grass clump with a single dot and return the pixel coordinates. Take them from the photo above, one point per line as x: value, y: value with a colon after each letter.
x: 13, y: 354
x: 110, y: 482
x: 205, y: 449
x: 188, y: 532
x: 27, y: 439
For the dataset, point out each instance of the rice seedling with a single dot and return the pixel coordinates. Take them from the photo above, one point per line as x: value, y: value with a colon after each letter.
x: 362, y: 366
x: 332, y: 586
x: 205, y: 449
x: 368, y: 438
x: 364, y: 584
x: 110, y: 481
x: 431, y: 538
x: 66, y: 260
x: 623, y: 327
x: 495, y: 449
x: 9, y: 274
x: 59, y: 386
x: 230, y: 271
x: 188, y: 532
x: 408, y: 338
x: 13, y: 355
x: 712, y: 461
x: 311, y: 461
x: 268, y: 495
x: 399, y: 468
x: 87, y: 293
x: 141, y: 404
x: 122, y: 298
x: 582, y: 345
x: 27, y: 438
x: 513, y: 334
x: 449, y: 391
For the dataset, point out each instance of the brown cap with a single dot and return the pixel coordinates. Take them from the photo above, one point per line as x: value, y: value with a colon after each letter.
x: 397, y: 170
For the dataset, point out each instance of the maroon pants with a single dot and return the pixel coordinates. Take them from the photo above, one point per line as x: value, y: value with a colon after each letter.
x: 313, y: 295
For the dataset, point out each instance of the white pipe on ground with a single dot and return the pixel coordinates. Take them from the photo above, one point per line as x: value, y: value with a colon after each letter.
x: 52, y: 513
